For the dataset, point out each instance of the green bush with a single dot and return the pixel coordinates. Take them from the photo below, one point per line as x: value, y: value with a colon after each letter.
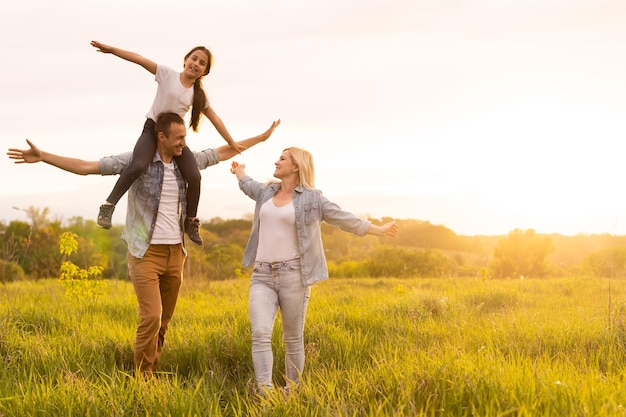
x: 11, y: 271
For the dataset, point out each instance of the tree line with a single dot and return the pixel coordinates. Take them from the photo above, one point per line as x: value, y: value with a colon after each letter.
x: 30, y: 250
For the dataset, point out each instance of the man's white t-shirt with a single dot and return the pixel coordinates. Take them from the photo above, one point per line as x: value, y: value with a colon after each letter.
x: 167, y: 227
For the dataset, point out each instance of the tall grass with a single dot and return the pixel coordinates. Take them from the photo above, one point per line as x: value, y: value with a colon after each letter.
x: 375, y: 347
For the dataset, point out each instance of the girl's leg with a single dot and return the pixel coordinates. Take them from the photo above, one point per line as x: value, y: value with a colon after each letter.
x: 144, y: 151
x: 143, y: 154
x: 262, y: 307
x: 189, y: 170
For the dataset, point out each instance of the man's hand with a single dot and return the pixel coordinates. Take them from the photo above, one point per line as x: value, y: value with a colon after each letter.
x: 269, y: 131
x: 27, y: 156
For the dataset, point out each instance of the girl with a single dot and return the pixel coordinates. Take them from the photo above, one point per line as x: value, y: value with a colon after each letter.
x: 177, y: 92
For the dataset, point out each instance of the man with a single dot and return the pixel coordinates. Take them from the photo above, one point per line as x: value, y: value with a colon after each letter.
x: 154, y: 228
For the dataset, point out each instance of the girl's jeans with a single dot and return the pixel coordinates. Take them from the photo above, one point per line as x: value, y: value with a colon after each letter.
x: 277, y: 285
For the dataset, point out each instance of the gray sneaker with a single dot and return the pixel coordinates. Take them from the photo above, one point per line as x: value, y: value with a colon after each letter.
x: 192, y: 227
x: 105, y: 215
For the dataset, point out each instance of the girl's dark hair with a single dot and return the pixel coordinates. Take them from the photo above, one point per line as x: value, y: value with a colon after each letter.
x: 199, y: 96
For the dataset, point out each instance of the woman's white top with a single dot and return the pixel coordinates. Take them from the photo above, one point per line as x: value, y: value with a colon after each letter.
x: 277, y: 234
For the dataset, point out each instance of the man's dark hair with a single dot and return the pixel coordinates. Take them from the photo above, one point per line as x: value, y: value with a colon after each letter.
x: 165, y: 120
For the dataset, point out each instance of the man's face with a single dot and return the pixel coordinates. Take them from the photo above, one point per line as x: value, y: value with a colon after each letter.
x: 174, y: 142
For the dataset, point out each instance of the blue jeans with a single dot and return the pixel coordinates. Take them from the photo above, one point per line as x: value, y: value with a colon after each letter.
x: 272, y: 286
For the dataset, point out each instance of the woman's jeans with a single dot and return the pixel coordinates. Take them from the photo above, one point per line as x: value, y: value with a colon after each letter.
x: 272, y: 286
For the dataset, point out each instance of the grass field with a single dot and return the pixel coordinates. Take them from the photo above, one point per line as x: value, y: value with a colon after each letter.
x: 375, y: 347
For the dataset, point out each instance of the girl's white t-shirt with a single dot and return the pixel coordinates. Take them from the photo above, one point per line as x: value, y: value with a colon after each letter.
x: 171, y: 95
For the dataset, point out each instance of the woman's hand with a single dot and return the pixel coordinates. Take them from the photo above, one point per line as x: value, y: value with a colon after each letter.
x: 387, y: 229
x: 390, y: 229
x: 237, y: 169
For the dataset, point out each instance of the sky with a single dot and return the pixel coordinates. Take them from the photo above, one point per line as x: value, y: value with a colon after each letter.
x: 484, y: 116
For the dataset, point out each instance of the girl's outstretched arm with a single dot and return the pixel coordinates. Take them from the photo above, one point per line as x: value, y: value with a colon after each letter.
x: 126, y: 55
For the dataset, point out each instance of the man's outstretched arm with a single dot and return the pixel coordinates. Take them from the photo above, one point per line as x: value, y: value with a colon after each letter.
x: 34, y: 154
x: 83, y: 167
x: 226, y: 152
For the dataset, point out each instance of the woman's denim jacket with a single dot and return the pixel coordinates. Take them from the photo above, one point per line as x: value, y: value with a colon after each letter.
x: 311, y: 209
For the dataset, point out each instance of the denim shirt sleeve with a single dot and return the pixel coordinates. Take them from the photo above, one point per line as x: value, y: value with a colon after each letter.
x: 312, y: 208
x: 346, y: 221
x: 114, y: 165
x: 251, y: 188
x: 206, y: 158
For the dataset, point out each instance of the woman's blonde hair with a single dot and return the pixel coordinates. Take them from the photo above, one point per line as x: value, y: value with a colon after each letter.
x: 304, y: 161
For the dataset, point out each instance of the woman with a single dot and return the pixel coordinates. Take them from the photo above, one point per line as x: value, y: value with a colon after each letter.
x: 286, y: 254
x: 177, y: 92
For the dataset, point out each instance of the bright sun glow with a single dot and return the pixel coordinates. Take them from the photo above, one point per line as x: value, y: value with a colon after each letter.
x: 482, y: 116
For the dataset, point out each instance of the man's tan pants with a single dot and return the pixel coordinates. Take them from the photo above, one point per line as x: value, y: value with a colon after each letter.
x: 156, y: 278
